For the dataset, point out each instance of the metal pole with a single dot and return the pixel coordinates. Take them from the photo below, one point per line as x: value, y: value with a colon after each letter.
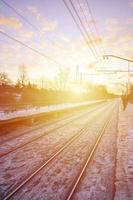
x: 128, y: 76
x: 106, y: 56
x: 128, y: 83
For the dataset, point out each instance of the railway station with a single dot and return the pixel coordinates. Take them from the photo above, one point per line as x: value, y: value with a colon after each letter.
x: 66, y: 100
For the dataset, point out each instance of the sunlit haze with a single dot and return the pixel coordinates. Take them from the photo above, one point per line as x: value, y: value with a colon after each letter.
x: 49, y: 28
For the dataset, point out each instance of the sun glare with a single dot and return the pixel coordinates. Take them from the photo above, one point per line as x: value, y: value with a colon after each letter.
x: 50, y: 73
x: 76, y: 89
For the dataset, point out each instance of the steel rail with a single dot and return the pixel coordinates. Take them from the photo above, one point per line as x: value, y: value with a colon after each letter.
x: 80, y: 175
x: 67, y: 144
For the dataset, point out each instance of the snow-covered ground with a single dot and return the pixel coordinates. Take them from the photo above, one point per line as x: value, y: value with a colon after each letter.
x: 98, y: 180
x: 109, y: 176
x: 124, y: 171
x: 45, y: 109
x: 32, y: 134
x: 16, y: 166
x: 29, y: 131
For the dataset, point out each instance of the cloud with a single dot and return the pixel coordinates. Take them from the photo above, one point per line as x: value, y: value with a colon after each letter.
x: 10, y: 22
x: 46, y: 24
x: 130, y: 21
x: 26, y: 35
x: 64, y: 37
x: 131, y: 4
x: 96, y: 41
x: 32, y: 9
x: 118, y: 38
x: 111, y: 22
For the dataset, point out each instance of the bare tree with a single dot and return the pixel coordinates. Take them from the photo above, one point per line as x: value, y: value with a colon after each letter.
x: 4, y: 79
x: 63, y: 77
x: 18, y: 84
x: 23, y: 75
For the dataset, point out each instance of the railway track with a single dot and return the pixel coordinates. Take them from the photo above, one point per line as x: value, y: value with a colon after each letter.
x: 96, y: 179
x: 66, y: 121
x: 68, y: 143
x: 89, y: 157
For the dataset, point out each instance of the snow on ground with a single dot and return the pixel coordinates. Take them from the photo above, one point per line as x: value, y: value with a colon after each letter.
x: 16, y: 166
x: 44, y: 109
x: 97, y: 182
x: 28, y: 130
x: 102, y: 180
x: 29, y: 135
x: 54, y: 181
x: 124, y: 172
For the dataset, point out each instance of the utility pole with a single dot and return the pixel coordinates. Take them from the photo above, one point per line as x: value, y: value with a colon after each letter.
x: 128, y: 84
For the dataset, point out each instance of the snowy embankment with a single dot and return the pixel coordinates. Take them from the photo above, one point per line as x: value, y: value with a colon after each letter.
x: 45, y: 109
x: 124, y: 171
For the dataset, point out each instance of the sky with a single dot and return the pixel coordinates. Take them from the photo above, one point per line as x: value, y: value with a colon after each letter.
x: 56, y: 35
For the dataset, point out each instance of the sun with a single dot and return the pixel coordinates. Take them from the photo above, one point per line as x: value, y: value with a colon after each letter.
x: 50, y: 73
x: 76, y: 89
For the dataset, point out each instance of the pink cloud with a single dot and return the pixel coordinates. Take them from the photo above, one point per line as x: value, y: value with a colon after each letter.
x: 43, y: 22
x: 46, y: 24
x: 131, y: 4
x: 10, y: 22
x: 32, y: 9
x: 130, y: 21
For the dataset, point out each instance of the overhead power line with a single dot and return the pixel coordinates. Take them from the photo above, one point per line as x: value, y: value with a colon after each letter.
x: 19, y: 14
x: 29, y: 47
x: 82, y: 28
x: 29, y: 22
x: 93, y: 19
x: 84, y: 36
x: 91, y: 35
